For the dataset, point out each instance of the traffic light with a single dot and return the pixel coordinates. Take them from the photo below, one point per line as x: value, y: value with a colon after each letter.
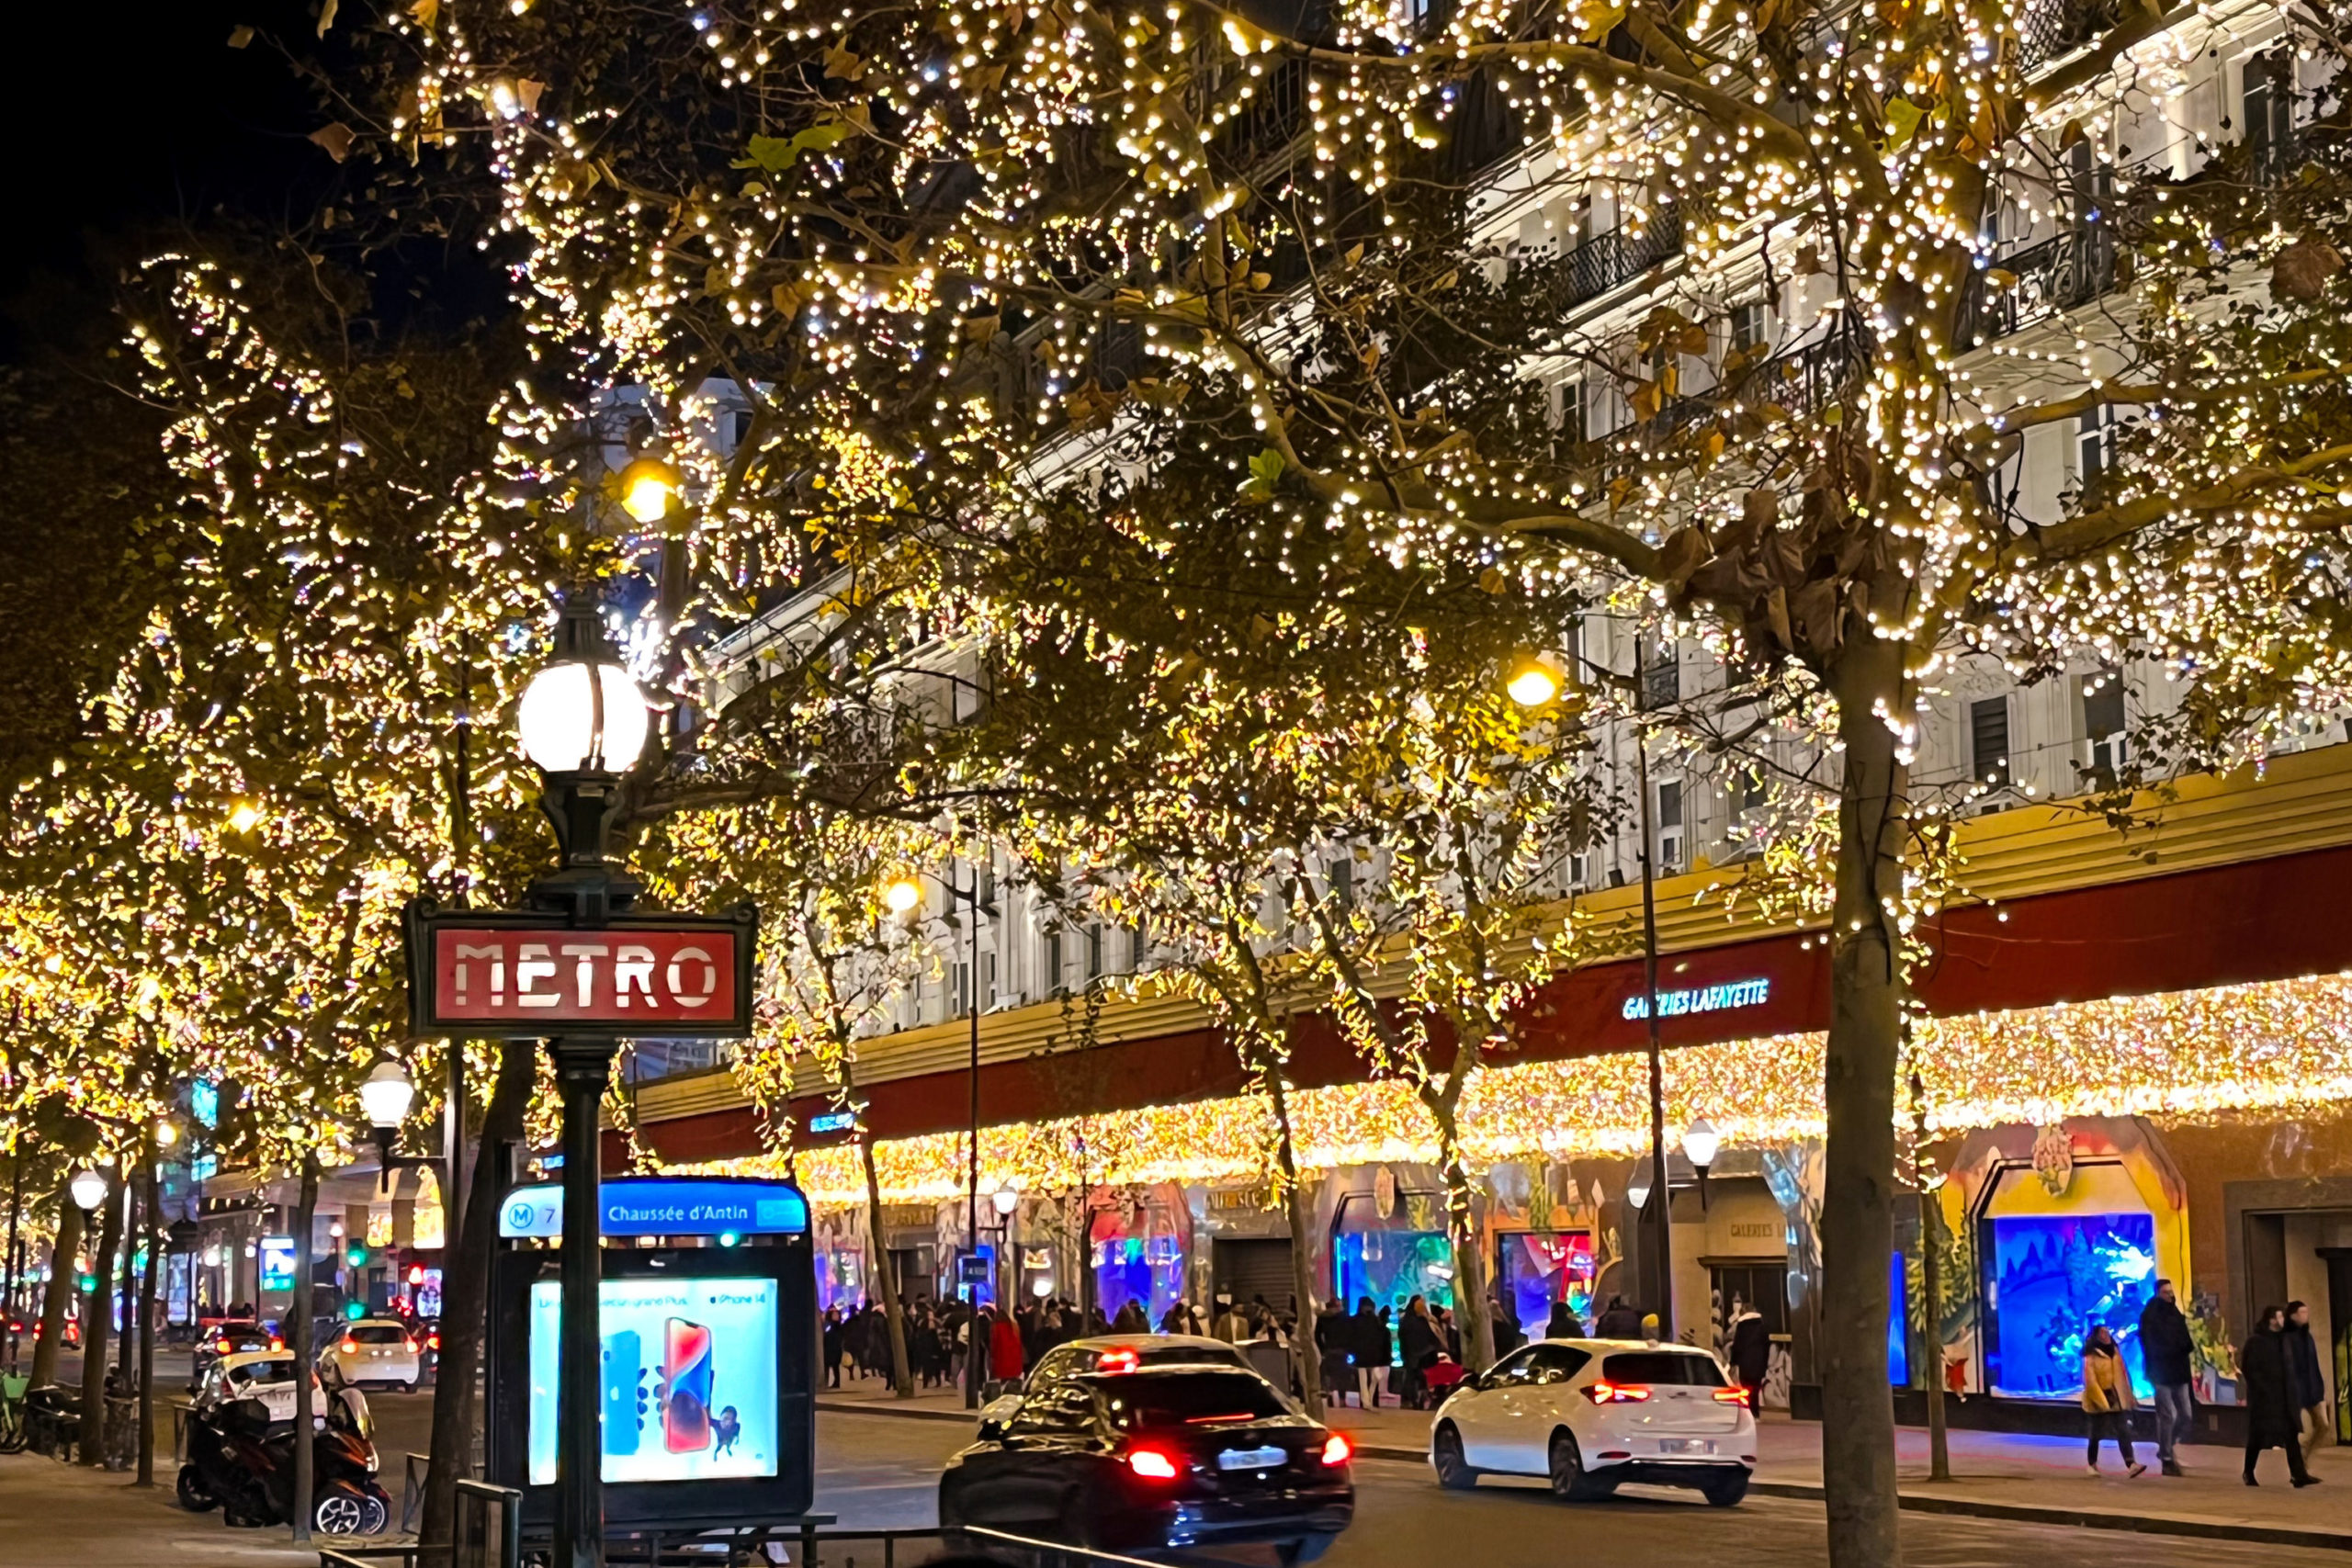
x: 356, y: 1255
x: 416, y: 1273
x: 354, y: 1311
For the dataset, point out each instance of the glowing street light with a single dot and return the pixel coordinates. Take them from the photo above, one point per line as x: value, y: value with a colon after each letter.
x: 89, y: 1190
x: 386, y: 1096
x: 647, y: 486
x: 1533, y: 682
x: 903, y: 896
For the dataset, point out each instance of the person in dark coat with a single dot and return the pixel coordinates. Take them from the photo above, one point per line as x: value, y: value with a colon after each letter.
x: 2267, y: 1390
x: 1751, y: 1354
x: 1334, y: 1353
x: 1508, y: 1337
x: 2164, y: 1349
x: 833, y: 1346
x: 1620, y: 1321
x: 1368, y: 1343
x: 1418, y: 1344
x: 1564, y: 1324
x: 2304, y: 1379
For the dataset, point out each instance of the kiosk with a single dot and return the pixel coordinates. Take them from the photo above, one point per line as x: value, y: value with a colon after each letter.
x: 707, y: 1320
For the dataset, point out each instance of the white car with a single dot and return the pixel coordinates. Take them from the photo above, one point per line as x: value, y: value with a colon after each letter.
x: 1591, y: 1413
x: 266, y: 1375
x: 379, y: 1351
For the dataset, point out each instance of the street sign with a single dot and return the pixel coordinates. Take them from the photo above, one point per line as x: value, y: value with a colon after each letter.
x: 664, y: 1205
x: 506, y: 975
x: 971, y: 1270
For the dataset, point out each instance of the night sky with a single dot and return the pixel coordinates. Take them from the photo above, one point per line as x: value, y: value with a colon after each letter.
x: 123, y: 120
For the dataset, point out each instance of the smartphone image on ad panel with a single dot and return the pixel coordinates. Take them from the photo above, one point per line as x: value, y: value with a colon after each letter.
x: 624, y: 1377
x: 686, y: 1407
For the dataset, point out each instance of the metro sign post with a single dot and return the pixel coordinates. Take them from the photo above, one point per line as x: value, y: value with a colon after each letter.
x: 580, y: 967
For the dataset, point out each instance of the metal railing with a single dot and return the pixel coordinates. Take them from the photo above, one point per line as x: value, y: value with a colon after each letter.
x: 489, y: 1534
x: 804, y: 1542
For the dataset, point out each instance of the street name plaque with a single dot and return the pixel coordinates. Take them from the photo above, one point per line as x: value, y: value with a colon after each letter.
x: 506, y: 975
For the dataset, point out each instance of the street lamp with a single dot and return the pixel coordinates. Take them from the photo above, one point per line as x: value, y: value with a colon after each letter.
x: 1532, y: 680
x: 585, y: 723
x: 646, y: 487
x: 1006, y: 1198
x: 89, y: 1190
x: 1699, y: 1143
x: 384, y: 1100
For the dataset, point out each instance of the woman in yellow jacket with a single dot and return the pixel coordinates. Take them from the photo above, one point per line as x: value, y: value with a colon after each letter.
x: 2107, y: 1399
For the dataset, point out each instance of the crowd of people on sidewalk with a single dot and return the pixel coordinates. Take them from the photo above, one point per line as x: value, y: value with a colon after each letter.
x: 2280, y: 1384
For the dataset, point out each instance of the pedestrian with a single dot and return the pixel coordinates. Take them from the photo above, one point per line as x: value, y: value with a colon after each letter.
x: 833, y: 1346
x: 2107, y: 1399
x: 1332, y: 1352
x: 2304, y: 1379
x: 1131, y: 1318
x: 1005, y: 1361
x: 2164, y: 1347
x: 1228, y: 1325
x: 1417, y: 1344
x: 1563, y: 1323
x: 2268, y: 1392
x: 1368, y: 1344
x: 1175, y: 1320
x: 1751, y: 1352
x: 1508, y: 1337
x: 1618, y: 1321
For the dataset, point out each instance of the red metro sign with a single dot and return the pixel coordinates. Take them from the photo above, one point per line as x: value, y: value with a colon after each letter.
x: 508, y: 975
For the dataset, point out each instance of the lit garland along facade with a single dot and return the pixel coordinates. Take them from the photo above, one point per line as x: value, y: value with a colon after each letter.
x: 2273, y: 1050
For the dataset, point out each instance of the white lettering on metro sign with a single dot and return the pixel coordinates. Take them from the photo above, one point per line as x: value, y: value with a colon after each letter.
x: 1704, y: 999
x: 620, y: 977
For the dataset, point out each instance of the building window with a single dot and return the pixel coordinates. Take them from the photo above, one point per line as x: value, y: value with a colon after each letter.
x: 1747, y: 786
x: 741, y: 429
x: 1342, y: 880
x: 1053, y: 976
x: 1988, y: 741
x: 1670, y: 826
x: 1661, y: 675
x: 2093, y: 446
x: 2269, y: 102
x: 1569, y: 410
x: 1094, y: 950
x: 1749, y: 323
x: 2103, y: 723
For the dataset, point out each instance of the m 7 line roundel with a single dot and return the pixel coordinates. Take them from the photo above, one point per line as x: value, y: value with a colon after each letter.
x: 505, y: 974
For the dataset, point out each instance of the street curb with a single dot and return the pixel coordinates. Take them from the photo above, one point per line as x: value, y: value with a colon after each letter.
x: 1918, y: 1502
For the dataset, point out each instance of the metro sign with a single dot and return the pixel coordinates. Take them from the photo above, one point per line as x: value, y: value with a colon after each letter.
x: 511, y: 975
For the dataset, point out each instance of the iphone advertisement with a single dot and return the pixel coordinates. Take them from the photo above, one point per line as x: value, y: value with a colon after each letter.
x: 688, y: 1381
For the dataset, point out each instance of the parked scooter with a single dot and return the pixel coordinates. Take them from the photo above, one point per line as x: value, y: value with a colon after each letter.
x: 239, y: 1462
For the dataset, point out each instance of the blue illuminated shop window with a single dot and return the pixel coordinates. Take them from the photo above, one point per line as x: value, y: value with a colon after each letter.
x: 2049, y: 1279
x: 1898, y: 1328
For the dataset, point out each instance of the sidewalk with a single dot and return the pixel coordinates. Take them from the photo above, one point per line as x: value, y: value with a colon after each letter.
x: 1995, y: 1474
x: 59, y: 1516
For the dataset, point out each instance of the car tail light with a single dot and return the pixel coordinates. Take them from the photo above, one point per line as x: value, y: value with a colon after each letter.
x: 1336, y: 1450
x: 1735, y: 1394
x: 221, y: 1346
x: 1152, y: 1464
x: 433, y: 1340
x: 411, y: 1346
x: 1119, y: 1361
x: 348, y: 1346
x: 276, y: 1343
x: 1605, y: 1392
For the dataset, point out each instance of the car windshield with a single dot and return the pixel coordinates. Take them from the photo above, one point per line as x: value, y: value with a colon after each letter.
x: 376, y: 1334
x: 1662, y: 1367
x: 1191, y: 1399
x: 262, y: 1372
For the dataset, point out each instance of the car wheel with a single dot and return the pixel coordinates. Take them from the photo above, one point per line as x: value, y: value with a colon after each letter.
x: 1726, y: 1493
x: 1305, y: 1549
x: 1569, y: 1478
x: 192, y: 1495
x: 1453, y: 1472
x: 338, y: 1513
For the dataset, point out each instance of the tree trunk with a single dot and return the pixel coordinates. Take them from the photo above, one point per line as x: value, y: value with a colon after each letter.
x: 886, y: 1277
x: 306, y: 1213
x: 1302, y: 1264
x: 1469, y: 1257
x: 1864, y: 1055
x: 59, y: 1291
x: 464, y: 1300
x: 150, y: 1201
x: 97, y: 1318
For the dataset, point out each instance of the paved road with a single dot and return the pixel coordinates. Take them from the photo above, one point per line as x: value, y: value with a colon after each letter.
x: 881, y: 1471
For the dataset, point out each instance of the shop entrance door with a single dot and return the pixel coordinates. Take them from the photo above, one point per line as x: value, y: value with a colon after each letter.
x: 2339, y: 1333
x: 1761, y: 1286
x: 1247, y: 1267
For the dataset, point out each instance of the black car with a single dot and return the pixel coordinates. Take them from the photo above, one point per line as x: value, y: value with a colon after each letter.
x: 1153, y: 1458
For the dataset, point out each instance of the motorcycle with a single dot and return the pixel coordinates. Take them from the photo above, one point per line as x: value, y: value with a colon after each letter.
x: 239, y: 1462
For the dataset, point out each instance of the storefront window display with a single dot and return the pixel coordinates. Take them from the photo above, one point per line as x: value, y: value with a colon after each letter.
x: 1539, y: 1267
x: 1392, y: 1258
x: 1137, y: 1256
x: 2049, y: 1279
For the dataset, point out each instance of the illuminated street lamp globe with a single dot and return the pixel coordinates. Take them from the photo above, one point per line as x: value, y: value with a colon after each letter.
x: 1699, y: 1141
x: 89, y: 1190
x: 1533, y: 682
x: 387, y: 1095
x: 1006, y: 1197
x: 902, y: 896
x: 583, y: 712
x: 646, y: 487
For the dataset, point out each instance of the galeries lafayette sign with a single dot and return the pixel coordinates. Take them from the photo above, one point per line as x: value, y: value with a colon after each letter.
x: 514, y: 976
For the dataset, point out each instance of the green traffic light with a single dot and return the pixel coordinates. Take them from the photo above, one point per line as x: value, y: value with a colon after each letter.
x: 354, y: 1311
x: 356, y: 1256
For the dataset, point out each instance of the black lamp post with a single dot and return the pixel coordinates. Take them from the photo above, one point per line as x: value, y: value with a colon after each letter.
x: 584, y: 722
